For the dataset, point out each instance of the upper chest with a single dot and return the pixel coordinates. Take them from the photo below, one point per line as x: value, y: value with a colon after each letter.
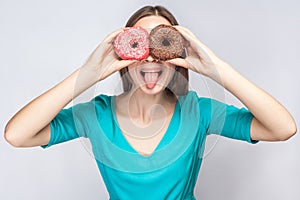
x: 144, y: 139
x: 144, y: 136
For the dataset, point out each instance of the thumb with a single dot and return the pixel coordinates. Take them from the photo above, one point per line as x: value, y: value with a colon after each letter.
x: 179, y: 62
x: 123, y: 63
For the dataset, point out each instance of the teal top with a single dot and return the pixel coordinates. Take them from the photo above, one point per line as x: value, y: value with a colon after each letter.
x: 171, y: 171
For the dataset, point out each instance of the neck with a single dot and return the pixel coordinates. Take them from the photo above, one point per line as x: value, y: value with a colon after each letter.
x: 142, y: 106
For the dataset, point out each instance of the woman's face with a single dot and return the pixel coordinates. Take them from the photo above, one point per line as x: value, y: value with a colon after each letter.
x: 150, y: 75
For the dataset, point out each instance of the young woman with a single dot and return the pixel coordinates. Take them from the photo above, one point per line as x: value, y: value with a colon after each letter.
x: 148, y: 141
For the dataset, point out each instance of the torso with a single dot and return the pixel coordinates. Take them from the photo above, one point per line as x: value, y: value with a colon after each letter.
x: 146, y: 146
x: 144, y: 137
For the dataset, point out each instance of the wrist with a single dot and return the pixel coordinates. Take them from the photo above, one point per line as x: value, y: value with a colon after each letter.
x: 84, y: 79
x: 90, y: 73
x: 218, y: 72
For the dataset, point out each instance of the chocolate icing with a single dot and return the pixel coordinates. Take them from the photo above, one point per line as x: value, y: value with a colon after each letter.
x: 166, y: 43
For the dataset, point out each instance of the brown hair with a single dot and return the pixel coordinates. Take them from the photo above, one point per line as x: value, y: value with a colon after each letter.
x: 179, y: 83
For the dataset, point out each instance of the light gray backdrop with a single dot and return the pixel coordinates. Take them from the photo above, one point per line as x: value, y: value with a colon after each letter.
x: 42, y: 42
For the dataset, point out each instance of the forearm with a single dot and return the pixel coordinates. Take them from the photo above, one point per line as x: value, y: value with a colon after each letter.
x: 30, y: 126
x: 270, y: 116
x: 37, y: 114
x: 271, y: 120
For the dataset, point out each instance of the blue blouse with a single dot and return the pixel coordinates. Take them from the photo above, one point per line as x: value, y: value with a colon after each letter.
x: 171, y: 171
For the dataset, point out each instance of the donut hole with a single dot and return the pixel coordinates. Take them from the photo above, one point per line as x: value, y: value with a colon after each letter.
x: 165, y: 42
x: 135, y: 45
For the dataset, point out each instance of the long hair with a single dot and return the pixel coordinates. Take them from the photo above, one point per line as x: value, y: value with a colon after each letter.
x: 179, y: 83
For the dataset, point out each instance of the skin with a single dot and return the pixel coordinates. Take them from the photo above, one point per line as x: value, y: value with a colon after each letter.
x: 271, y: 122
x: 140, y: 99
x: 141, y: 102
x: 30, y: 127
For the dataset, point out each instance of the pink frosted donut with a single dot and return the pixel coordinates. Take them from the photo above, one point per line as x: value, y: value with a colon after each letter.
x: 132, y: 44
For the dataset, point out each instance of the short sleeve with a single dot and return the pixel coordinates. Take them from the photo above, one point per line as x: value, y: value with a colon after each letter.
x: 77, y: 121
x: 63, y: 128
x: 226, y: 120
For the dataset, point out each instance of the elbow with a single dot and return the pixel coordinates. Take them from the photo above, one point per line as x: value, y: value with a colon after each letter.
x: 288, y: 133
x: 292, y: 133
x: 11, y: 138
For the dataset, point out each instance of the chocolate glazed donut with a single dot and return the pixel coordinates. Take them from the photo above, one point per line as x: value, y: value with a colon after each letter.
x: 166, y: 43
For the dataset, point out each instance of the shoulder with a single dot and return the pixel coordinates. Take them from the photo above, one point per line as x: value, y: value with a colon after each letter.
x: 98, y: 104
x: 203, y: 102
x: 102, y: 100
x: 205, y: 105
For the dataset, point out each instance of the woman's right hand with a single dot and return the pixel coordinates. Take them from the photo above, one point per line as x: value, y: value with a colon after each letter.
x: 30, y: 126
x: 200, y: 58
x: 103, y: 61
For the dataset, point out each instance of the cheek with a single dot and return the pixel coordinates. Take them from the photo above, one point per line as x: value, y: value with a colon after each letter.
x: 132, y: 70
x: 132, y: 74
x: 171, y: 71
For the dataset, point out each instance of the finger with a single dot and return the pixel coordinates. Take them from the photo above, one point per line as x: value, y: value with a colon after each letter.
x: 106, y: 46
x: 194, y: 43
x: 192, y: 63
x: 179, y: 62
x: 204, y: 53
x: 126, y: 63
x: 186, y: 32
x: 191, y: 37
x: 110, y: 37
x: 113, y: 66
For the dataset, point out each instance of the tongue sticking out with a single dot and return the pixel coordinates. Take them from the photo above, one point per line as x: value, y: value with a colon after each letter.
x: 151, y: 79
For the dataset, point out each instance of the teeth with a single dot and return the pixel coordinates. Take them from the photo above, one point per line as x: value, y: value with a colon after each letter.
x: 151, y: 71
x: 145, y: 71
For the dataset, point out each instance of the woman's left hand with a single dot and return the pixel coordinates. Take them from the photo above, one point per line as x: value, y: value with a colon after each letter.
x: 271, y: 122
x: 200, y: 58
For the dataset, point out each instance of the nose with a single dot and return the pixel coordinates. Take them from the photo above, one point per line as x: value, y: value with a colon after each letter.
x: 150, y: 59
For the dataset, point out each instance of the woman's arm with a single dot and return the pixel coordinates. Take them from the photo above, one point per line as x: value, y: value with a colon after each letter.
x: 271, y: 122
x: 30, y: 126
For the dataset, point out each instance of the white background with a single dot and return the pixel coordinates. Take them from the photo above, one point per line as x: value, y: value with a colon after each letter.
x: 42, y: 42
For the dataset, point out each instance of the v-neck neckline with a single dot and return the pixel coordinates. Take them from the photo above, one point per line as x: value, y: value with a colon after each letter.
x: 162, y: 141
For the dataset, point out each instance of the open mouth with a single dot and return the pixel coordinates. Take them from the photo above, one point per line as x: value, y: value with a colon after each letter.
x: 143, y: 73
x: 151, y: 77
